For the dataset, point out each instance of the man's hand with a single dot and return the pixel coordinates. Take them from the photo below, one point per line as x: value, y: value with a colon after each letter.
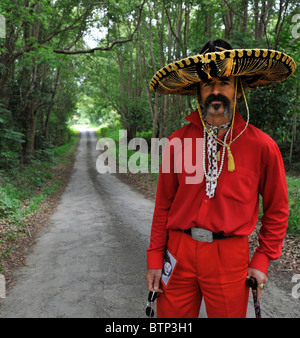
x: 261, y: 277
x: 153, y: 279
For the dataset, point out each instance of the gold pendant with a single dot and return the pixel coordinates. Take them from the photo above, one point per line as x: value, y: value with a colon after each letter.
x: 231, y: 165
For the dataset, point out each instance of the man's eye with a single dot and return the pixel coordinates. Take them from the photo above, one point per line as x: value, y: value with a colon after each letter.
x: 225, y: 83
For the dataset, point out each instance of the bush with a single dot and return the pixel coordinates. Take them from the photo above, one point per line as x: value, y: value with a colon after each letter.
x: 10, y: 140
x: 294, y: 205
x: 8, y: 202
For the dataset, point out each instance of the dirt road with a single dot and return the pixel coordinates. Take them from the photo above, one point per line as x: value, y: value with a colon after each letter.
x: 91, y: 260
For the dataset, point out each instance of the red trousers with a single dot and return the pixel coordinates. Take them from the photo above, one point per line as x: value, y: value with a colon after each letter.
x: 216, y: 271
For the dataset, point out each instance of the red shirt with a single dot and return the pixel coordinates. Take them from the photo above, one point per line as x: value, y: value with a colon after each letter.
x: 258, y: 170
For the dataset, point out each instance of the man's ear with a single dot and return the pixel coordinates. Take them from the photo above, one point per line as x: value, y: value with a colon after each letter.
x: 239, y: 91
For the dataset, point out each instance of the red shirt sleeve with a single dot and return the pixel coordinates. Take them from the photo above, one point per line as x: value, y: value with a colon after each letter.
x: 166, y: 190
x: 273, y: 190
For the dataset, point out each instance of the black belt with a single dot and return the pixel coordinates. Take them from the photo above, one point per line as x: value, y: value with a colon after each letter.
x: 216, y: 235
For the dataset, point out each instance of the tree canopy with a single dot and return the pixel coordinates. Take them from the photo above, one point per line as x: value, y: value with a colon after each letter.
x: 66, y: 58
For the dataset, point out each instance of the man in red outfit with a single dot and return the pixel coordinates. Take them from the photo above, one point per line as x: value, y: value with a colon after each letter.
x: 202, y: 225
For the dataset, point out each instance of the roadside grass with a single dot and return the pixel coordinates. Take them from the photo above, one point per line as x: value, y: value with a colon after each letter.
x: 69, y: 148
x: 24, y: 188
x: 293, y: 184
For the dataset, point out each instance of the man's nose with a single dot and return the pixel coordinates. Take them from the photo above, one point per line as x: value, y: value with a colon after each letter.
x: 215, y: 89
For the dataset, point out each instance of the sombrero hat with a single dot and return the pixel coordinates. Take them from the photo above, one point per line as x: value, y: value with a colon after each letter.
x: 258, y: 67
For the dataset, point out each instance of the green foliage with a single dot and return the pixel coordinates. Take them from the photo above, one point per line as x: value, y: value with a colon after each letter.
x: 38, y: 87
x: 9, y: 203
x: 60, y: 151
x: 294, y: 205
x: 23, y: 189
x: 293, y: 185
x: 10, y: 140
x: 270, y: 108
x: 44, y: 89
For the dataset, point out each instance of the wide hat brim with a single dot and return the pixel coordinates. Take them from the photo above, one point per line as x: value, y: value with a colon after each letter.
x: 258, y: 67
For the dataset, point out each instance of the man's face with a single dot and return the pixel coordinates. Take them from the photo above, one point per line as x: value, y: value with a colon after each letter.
x: 167, y: 268
x: 217, y: 99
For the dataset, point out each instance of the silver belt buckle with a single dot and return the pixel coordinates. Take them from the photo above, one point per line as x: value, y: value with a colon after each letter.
x: 202, y: 235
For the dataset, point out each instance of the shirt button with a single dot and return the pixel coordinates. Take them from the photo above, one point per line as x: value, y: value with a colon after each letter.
x: 205, y: 201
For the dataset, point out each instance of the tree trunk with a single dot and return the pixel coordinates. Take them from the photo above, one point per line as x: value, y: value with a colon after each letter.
x: 228, y: 20
x: 294, y: 120
x: 160, y: 26
x: 280, y: 20
x: 245, y: 19
x: 28, y: 123
x: 256, y: 14
x: 45, y: 123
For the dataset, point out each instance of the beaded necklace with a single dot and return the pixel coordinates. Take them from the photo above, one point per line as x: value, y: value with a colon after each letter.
x: 213, y: 175
x: 208, y: 178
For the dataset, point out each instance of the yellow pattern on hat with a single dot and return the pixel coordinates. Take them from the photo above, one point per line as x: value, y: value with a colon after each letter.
x: 258, y: 67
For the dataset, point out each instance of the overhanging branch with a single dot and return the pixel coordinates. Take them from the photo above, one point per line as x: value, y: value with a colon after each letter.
x: 92, y: 50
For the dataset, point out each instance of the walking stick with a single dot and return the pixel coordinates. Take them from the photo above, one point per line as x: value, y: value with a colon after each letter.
x: 252, y: 283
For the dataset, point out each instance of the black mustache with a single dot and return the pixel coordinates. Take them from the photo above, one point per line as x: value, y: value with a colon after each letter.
x: 218, y: 97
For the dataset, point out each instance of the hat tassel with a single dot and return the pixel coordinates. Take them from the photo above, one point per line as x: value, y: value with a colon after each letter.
x: 231, y: 165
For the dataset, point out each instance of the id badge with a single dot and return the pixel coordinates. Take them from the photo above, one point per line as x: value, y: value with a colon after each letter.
x: 168, y: 267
